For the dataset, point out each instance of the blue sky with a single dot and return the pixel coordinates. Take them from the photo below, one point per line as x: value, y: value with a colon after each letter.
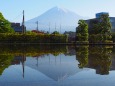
x: 12, y: 9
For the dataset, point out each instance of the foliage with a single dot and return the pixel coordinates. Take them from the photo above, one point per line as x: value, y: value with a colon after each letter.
x: 82, y: 31
x: 100, y: 38
x: 30, y: 32
x: 100, y: 29
x: 105, y: 24
x: 55, y: 32
x: 5, y: 26
x: 32, y: 38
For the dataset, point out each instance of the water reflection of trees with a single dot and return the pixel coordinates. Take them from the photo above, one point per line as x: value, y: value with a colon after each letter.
x: 100, y: 59
x: 82, y: 55
x: 32, y: 50
x: 5, y: 62
x: 16, y: 54
x: 96, y: 57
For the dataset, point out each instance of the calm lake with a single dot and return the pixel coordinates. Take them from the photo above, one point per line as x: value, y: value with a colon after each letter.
x: 55, y: 65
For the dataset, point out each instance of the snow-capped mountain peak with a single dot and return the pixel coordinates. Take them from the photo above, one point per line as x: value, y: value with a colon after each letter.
x: 61, y: 9
x: 56, y: 16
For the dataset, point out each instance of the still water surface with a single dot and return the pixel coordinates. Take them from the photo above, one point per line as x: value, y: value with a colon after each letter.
x: 72, y: 66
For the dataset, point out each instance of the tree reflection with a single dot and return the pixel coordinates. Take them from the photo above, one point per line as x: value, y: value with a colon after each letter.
x: 5, y: 62
x: 16, y: 54
x: 82, y: 55
x: 100, y: 59
x: 96, y: 57
x: 32, y: 50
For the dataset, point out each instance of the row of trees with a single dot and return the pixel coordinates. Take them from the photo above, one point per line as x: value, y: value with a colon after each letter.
x: 99, y: 31
x: 32, y: 38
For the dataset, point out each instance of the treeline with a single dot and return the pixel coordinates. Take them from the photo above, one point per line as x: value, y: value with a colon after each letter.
x: 32, y: 38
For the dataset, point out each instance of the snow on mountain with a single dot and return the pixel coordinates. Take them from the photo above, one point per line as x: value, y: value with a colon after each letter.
x: 54, y: 19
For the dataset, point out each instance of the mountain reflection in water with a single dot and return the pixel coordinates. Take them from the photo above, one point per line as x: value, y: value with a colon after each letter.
x: 37, y: 65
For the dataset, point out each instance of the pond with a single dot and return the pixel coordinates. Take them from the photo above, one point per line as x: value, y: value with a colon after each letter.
x: 56, y: 65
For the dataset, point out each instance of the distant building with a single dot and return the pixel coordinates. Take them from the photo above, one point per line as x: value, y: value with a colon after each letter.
x: 96, y: 20
x: 17, y: 27
x: 98, y: 15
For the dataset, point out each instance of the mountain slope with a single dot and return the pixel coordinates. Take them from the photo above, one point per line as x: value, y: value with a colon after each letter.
x: 56, y: 17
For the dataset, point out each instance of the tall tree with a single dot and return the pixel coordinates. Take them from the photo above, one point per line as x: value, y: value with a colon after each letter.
x: 5, y: 26
x: 82, y: 31
x: 101, y: 29
x: 105, y: 26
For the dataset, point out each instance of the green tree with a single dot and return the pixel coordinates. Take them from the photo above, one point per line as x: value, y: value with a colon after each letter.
x: 105, y: 26
x: 55, y: 32
x: 82, y: 31
x: 5, y: 26
x: 100, y: 29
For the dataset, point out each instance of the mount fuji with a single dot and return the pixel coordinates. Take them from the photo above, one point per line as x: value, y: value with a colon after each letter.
x: 55, y: 19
